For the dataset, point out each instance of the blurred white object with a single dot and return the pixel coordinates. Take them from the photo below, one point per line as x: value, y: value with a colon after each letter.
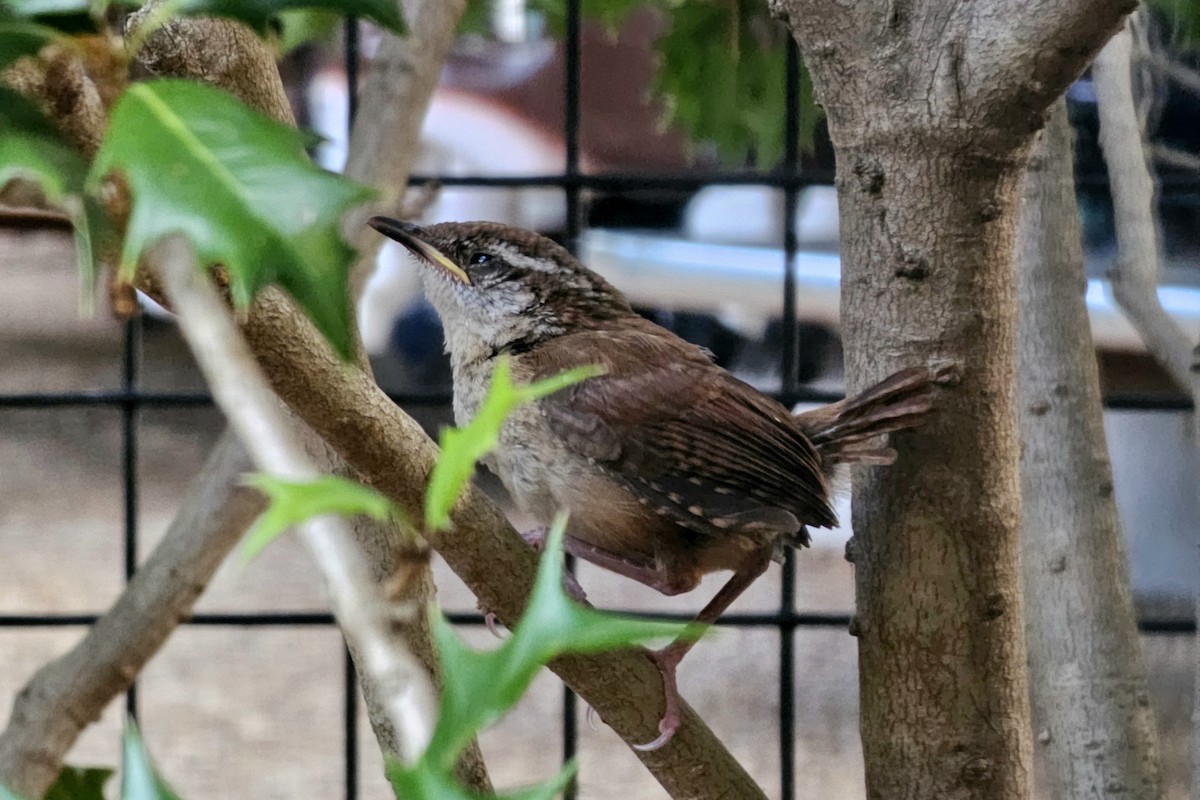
x: 754, y: 215
x: 682, y: 275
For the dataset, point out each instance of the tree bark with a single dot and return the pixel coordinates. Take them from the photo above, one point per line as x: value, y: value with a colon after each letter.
x: 1135, y: 274
x: 1091, y: 706
x: 932, y: 107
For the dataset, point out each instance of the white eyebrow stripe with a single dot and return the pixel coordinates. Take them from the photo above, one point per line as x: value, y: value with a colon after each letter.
x: 522, y: 261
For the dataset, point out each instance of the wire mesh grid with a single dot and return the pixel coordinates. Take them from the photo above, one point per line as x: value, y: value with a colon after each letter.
x: 130, y: 400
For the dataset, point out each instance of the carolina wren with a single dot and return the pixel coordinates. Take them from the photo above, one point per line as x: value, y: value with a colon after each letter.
x: 671, y: 467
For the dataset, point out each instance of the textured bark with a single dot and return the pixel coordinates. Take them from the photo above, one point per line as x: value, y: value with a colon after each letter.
x: 1135, y: 274
x: 69, y: 693
x: 932, y: 107
x: 1090, y: 702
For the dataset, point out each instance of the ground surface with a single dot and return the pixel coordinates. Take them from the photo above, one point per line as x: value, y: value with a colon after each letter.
x: 254, y: 712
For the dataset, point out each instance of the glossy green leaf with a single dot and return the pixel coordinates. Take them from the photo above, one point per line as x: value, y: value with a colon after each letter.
x: 139, y: 780
x: 423, y: 781
x: 79, y: 783
x: 293, y: 502
x: 31, y: 148
x: 463, y: 447
x: 239, y: 186
x: 257, y: 13
x: 479, y: 687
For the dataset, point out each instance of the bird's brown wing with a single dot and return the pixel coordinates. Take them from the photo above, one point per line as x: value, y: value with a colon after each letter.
x: 691, y: 441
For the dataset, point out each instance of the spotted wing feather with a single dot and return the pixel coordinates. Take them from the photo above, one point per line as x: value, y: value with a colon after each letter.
x: 692, y: 442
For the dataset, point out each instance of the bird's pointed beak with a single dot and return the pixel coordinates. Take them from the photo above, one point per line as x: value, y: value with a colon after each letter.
x: 413, y: 237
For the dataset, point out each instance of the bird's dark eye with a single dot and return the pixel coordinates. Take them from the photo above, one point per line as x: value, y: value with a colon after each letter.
x: 479, y: 259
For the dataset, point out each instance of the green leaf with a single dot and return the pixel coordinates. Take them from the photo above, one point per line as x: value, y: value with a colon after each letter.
x: 19, y: 39
x: 239, y: 186
x: 463, y: 447
x: 301, y: 27
x: 292, y: 502
x: 9, y: 794
x: 31, y: 148
x: 256, y: 13
x: 79, y: 783
x: 139, y: 780
x: 424, y: 782
x: 731, y: 90
x: 479, y: 687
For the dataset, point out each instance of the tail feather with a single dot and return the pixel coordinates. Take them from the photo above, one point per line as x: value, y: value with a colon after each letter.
x: 842, y: 432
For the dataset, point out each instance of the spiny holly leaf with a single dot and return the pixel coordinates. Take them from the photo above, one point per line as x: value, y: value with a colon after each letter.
x: 238, y: 185
x: 139, y: 780
x: 257, y: 13
x: 423, y: 781
x: 463, y: 447
x: 292, y: 502
x: 79, y: 783
x: 479, y: 687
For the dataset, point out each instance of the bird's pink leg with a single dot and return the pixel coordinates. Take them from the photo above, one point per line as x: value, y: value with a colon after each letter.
x: 667, y: 660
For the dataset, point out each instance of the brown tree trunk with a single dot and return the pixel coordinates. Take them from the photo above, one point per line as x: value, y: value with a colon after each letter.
x: 932, y: 107
x: 1090, y: 702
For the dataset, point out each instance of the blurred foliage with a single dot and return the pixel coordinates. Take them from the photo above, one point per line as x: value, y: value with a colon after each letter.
x: 721, y: 74
x: 1181, y: 19
x: 79, y: 783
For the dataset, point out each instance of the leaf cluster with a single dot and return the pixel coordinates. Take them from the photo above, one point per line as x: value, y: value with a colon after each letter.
x: 197, y: 162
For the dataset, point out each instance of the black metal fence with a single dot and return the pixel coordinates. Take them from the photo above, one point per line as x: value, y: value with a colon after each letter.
x: 130, y: 399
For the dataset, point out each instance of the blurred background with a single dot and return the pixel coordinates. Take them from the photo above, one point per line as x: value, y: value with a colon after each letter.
x: 697, y: 194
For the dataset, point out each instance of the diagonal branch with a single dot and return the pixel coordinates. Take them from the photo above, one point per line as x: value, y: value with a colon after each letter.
x: 69, y: 693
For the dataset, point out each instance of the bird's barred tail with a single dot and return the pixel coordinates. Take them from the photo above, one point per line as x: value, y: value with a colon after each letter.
x: 846, y: 432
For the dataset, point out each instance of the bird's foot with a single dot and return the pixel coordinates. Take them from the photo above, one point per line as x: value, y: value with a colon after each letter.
x: 667, y: 660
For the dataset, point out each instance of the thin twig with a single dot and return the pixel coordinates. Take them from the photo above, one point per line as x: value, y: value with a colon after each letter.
x: 1179, y: 73
x: 241, y: 391
x: 1135, y: 274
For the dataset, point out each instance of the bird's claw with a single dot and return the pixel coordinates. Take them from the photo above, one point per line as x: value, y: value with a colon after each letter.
x: 489, y: 622
x: 666, y: 660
